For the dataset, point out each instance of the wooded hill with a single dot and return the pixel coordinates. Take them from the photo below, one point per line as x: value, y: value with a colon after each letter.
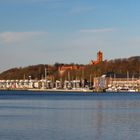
x: 118, y: 66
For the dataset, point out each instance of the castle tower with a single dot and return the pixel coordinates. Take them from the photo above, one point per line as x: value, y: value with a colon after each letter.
x: 99, y: 56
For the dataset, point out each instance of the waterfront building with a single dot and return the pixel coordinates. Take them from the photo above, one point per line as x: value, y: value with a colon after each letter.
x: 58, y: 84
x: 111, y: 82
x: 67, y: 84
x: 117, y: 82
x: 76, y: 84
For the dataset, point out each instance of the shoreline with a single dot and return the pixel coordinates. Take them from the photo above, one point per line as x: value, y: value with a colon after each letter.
x: 60, y: 90
x: 49, y: 90
x: 69, y: 91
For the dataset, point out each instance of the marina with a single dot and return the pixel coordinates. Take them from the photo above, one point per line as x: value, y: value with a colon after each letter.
x: 69, y: 70
x: 97, y: 84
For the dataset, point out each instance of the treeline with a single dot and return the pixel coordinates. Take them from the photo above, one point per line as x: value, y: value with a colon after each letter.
x: 117, y: 66
x: 33, y: 72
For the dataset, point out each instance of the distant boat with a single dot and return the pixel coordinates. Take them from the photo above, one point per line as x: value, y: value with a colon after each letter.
x: 132, y: 90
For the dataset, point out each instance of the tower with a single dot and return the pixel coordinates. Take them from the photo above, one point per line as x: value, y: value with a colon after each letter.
x: 98, y: 59
x: 99, y: 56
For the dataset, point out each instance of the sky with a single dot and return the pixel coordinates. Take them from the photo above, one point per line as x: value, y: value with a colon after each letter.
x: 66, y: 31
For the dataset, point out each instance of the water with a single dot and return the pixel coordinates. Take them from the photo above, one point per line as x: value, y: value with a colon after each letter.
x: 69, y: 116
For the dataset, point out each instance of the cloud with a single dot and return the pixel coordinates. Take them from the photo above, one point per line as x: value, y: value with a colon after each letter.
x: 45, y: 0
x: 81, y: 9
x: 18, y: 1
x: 101, y: 30
x: 14, y: 37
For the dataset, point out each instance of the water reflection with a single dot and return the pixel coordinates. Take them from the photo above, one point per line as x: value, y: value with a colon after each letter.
x: 99, y: 120
x: 117, y: 120
x: 70, y: 119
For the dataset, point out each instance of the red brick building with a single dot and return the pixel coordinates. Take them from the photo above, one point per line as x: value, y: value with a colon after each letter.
x: 98, y: 60
x: 64, y: 68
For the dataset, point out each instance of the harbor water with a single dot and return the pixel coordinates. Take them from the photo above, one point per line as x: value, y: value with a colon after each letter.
x: 27, y: 115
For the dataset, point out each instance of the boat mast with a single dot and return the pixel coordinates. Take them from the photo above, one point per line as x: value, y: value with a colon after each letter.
x: 45, y: 77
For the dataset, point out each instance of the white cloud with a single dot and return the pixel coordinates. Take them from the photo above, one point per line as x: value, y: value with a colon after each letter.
x: 46, y: 0
x: 14, y: 37
x: 29, y: 1
x: 81, y: 9
x: 101, y: 30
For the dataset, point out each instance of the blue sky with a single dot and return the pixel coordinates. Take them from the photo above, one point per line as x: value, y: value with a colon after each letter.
x: 49, y: 31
